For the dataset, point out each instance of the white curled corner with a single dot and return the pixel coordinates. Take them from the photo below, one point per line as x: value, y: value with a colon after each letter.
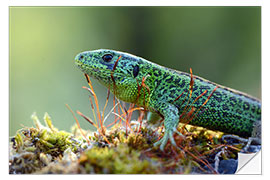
x: 249, y: 163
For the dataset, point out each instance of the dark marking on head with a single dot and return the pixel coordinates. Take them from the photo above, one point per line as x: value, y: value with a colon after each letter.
x: 246, y: 106
x: 136, y: 71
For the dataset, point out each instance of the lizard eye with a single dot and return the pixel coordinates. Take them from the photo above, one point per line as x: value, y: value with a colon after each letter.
x: 136, y: 71
x: 107, y: 57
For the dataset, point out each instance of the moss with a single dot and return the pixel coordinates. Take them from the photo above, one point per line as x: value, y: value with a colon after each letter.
x: 122, y: 150
x: 34, y: 148
x: 119, y: 160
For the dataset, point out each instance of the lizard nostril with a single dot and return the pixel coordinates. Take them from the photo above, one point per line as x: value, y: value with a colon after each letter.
x: 81, y: 57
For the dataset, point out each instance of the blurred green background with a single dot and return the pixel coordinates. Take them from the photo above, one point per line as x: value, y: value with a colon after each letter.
x: 222, y: 44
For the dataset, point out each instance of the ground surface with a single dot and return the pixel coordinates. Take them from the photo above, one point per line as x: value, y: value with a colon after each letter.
x: 122, y: 149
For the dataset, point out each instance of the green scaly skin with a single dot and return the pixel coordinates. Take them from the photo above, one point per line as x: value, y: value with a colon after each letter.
x: 227, y: 110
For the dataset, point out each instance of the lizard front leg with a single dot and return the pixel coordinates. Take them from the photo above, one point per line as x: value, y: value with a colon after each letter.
x: 171, y: 120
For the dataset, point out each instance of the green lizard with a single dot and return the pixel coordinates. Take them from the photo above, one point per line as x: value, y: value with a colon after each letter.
x: 167, y: 92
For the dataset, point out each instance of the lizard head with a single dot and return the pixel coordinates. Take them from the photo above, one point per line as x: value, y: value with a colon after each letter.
x: 100, y: 63
x: 127, y: 70
x: 97, y: 63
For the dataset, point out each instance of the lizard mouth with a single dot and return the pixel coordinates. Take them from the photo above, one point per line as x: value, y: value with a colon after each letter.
x: 82, y: 66
x: 78, y: 63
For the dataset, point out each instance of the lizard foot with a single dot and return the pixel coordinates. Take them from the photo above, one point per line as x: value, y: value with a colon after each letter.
x: 167, y: 135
